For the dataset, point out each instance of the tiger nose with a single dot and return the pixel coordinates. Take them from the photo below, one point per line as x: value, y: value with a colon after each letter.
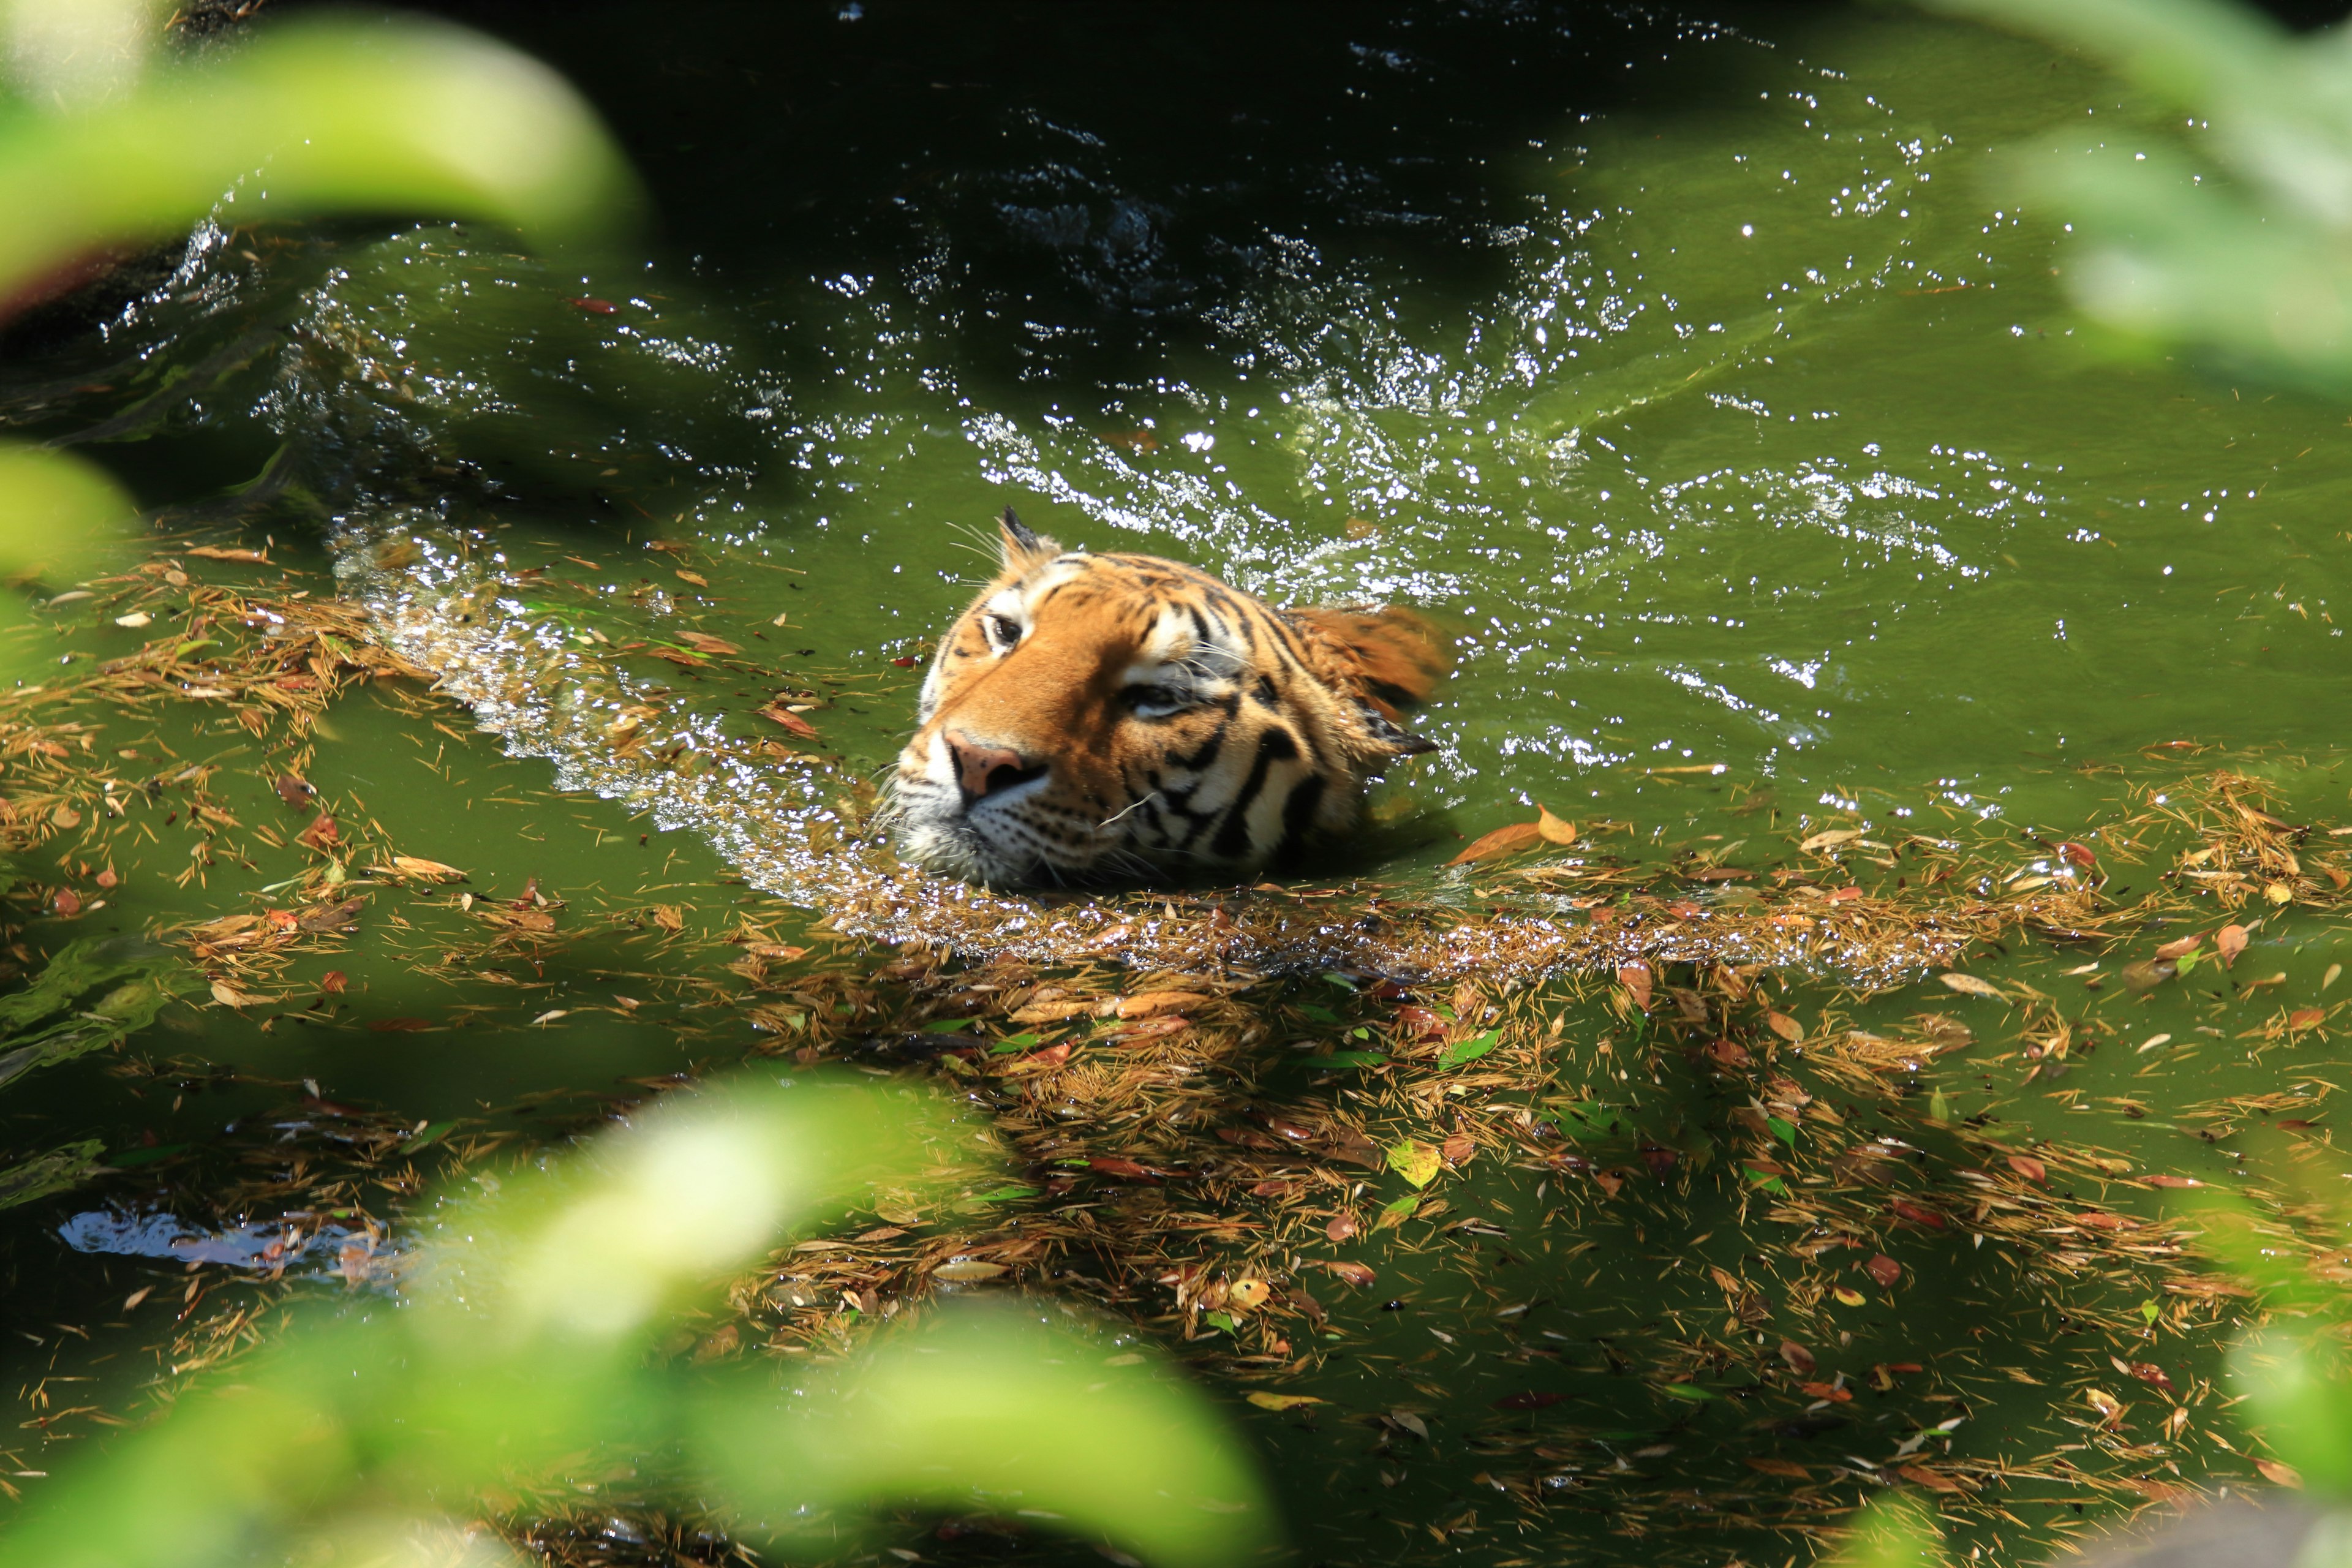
x: 984, y: 770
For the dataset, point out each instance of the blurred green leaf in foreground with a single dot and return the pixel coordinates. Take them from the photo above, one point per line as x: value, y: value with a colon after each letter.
x: 106, y: 146
x: 2244, y: 254
x: 527, y: 1337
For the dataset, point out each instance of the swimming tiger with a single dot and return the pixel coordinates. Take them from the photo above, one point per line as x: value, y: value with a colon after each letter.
x: 1113, y: 717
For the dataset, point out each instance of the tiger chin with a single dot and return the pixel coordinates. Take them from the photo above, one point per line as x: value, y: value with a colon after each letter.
x: 1123, y: 718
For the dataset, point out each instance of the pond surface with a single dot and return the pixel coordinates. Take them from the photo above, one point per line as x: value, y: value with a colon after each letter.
x: 1695, y: 372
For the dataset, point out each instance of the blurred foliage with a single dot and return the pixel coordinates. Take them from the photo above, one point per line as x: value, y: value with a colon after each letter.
x: 106, y: 146
x: 2253, y: 266
x: 530, y: 1335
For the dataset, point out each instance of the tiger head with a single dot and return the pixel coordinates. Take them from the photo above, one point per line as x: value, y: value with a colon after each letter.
x: 1093, y: 717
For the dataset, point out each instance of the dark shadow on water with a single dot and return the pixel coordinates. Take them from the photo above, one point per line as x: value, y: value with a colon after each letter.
x: 1086, y: 187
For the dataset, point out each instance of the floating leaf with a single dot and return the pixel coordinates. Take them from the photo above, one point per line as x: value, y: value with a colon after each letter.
x: 1799, y: 1358
x: 1830, y: 839
x: 2230, y: 942
x: 1789, y: 1468
x: 2279, y: 1474
x: 1555, y: 830
x: 1266, y: 1400
x: 1469, y: 1050
x: 1685, y: 1391
x: 1415, y: 1161
x: 1933, y: 1480
x: 1635, y: 979
x: 1884, y: 1270
x: 426, y: 1136
x: 1969, y: 985
x: 1502, y: 841
x: 1531, y: 1400
x: 2031, y: 1169
x: 1143, y: 1004
x: 1356, y: 1274
x: 433, y: 871
x: 2305, y: 1017
x: 1785, y: 1027
x: 776, y: 713
x: 966, y: 1270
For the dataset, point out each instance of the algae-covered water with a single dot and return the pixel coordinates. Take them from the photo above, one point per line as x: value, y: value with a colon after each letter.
x: 1697, y: 371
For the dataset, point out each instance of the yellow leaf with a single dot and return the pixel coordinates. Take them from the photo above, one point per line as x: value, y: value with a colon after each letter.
x: 1555, y: 830
x: 1249, y: 1295
x: 1830, y: 839
x: 228, y: 996
x: 1415, y: 1161
x: 697, y: 578
x: 1785, y: 1027
x: 1144, y: 1004
x: 1282, y: 1401
x: 413, y: 866
x: 1969, y: 985
x: 967, y: 1270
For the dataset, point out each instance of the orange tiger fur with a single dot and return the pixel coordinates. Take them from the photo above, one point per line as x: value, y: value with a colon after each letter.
x: 1093, y: 716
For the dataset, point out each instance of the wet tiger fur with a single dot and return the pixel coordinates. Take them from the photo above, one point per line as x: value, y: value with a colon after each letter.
x: 1113, y: 717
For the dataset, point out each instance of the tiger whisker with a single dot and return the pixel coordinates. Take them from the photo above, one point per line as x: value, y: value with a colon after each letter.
x: 1142, y: 801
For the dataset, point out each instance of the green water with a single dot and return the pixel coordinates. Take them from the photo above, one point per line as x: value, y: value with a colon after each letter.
x: 1697, y: 374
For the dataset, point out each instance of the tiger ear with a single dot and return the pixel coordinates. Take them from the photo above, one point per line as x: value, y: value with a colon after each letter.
x: 1391, y: 656
x: 1020, y: 546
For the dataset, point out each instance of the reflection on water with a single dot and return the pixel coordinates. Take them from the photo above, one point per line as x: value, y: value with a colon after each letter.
x: 323, y: 1248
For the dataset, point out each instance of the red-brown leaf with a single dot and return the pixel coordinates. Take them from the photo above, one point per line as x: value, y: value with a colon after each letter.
x: 1530, y: 1400
x: 1884, y: 1270
x: 1917, y: 1215
x: 2031, y: 1169
x: 775, y: 713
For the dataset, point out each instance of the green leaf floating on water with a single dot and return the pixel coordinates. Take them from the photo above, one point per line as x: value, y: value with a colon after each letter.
x: 1415, y: 1161
x: 1685, y: 1391
x: 1469, y: 1050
